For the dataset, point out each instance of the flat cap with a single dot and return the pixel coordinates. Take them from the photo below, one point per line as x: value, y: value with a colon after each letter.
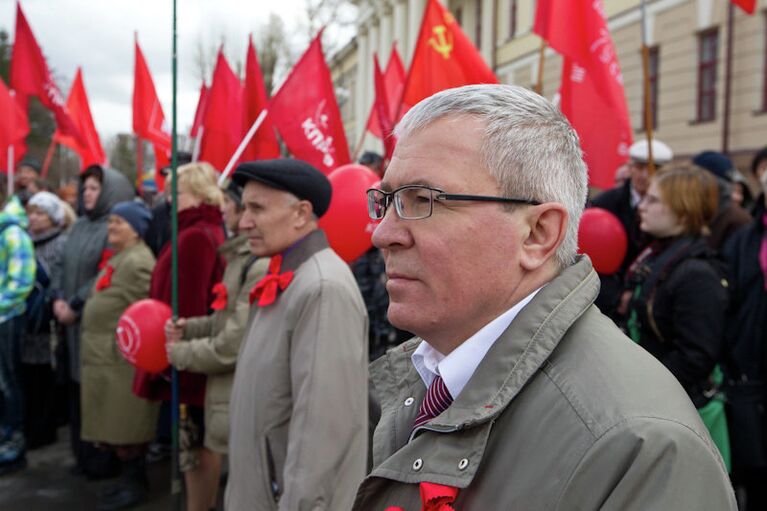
x: 290, y: 175
x: 716, y: 163
x: 661, y: 153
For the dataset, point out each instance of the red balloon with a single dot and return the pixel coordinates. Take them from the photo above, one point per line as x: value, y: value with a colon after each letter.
x: 346, y: 222
x: 141, y: 335
x: 602, y: 237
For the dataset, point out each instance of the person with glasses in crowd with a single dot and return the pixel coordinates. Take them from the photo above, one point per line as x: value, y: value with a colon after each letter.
x: 517, y: 392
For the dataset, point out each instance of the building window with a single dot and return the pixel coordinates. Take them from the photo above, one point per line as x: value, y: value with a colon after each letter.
x: 512, y: 18
x: 459, y: 15
x: 653, y: 66
x: 708, y: 46
x: 478, y: 23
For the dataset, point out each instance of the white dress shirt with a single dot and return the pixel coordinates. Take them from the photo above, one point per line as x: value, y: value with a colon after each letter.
x: 457, y: 368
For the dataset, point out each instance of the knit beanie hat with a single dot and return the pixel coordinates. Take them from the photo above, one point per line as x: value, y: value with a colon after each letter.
x: 135, y: 213
x: 49, y: 203
x: 716, y: 163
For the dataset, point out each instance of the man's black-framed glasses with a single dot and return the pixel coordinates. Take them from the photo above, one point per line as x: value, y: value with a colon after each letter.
x: 415, y: 202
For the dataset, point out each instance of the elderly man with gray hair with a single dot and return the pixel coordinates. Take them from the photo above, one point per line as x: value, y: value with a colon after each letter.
x: 517, y: 393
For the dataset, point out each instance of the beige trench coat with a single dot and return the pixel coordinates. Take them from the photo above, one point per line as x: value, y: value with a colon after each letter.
x: 563, y: 413
x: 111, y: 413
x: 212, y: 342
x: 299, y: 404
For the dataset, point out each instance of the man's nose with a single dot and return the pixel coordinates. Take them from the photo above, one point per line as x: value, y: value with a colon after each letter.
x: 392, y: 231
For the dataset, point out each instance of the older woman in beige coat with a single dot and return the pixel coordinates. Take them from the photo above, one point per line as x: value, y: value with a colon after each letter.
x: 112, y: 416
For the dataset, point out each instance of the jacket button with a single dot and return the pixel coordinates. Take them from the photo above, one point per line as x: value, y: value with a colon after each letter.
x: 417, y: 464
x: 409, y: 401
x: 463, y: 464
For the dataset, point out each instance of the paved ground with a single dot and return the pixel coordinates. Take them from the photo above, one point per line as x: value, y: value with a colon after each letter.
x: 46, y: 484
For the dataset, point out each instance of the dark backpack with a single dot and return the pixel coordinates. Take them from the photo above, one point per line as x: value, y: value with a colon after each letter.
x: 39, y: 310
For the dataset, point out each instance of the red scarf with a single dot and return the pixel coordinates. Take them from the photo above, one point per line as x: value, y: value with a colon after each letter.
x: 266, y: 288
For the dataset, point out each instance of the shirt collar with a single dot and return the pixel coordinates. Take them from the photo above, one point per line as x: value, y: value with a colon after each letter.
x: 457, y: 368
x: 635, y: 198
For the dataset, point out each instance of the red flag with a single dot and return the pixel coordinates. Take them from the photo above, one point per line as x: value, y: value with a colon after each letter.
x: 90, y: 150
x: 30, y: 76
x: 264, y: 144
x: 148, y: 118
x: 14, y: 127
x: 747, y: 5
x: 306, y: 113
x: 591, y: 82
x: 394, y: 84
x: 223, y: 117
x: 443, y: 58
x: 199, y: 113
x: 381, y: 105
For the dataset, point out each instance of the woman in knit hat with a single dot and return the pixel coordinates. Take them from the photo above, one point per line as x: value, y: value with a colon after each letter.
x: 111, y: 414
x: 38, y: 354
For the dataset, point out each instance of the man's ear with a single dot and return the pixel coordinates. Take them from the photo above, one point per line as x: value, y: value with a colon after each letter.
x: 304, y: 214
x: 547, y: 226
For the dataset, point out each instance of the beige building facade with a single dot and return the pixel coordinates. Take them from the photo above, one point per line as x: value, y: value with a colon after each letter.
x: 688, y: 40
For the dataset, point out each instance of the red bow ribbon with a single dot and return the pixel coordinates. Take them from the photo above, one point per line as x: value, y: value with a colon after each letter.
x: 106, y: 255
x: 434, y: 497
x: 106, y: 280
x: 266, y: 288
x: 222, y: 295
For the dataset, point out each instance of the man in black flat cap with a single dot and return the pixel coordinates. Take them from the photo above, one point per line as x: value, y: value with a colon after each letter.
x: 298, y: 437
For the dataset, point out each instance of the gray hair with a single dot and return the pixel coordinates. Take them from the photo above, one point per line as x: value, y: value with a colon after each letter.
x: 529, y: 146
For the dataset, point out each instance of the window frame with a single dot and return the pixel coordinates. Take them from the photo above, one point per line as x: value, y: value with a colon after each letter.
x: 708, y: 94
x: 513, y: 11
x: 478, y: 23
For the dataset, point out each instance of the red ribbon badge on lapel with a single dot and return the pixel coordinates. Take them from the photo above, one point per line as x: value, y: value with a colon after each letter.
x: 437, y: 497
x: 266, y: 288
x: 434, y: 497
x: 106, y: 255
x: 106, y: 280
x: 222, y: 295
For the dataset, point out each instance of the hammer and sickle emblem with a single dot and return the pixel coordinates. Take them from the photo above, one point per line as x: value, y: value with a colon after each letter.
x: 442, y: 41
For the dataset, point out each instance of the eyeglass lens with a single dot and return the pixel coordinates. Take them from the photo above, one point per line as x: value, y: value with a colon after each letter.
x: 413, y: 202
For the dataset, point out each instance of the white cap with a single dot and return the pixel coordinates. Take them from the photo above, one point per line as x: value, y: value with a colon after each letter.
x: 49, y: 203
x: 661, y: 153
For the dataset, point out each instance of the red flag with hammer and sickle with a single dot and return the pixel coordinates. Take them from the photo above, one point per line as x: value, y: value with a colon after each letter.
x: 444, y: 57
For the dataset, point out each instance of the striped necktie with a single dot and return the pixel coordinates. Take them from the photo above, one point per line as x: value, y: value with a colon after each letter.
x: 437, y: 400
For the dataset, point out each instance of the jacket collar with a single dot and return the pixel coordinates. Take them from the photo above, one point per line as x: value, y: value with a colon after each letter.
x: 295, y: 255
x: 517, y: 355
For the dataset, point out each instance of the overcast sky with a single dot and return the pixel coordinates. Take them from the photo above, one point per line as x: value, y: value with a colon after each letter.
x: 98, y: 35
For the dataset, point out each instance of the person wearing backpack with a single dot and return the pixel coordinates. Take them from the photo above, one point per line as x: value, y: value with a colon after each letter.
x: 41, y: 345
x: 677, y: 309
x: 17, y: 276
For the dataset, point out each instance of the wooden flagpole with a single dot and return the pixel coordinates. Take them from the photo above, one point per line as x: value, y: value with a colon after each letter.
x: 48, y: 158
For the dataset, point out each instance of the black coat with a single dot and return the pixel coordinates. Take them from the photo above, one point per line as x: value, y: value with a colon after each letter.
x: 679, y: 311
x: 618, y: 202
x: 746, y: 345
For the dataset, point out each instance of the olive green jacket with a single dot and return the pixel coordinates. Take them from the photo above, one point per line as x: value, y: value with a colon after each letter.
x: 111, y: 413
x: 563, y: 413
x: 212, y: 342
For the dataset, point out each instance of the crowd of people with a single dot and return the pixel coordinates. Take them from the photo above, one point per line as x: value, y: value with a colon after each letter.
x: 513, y: 391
